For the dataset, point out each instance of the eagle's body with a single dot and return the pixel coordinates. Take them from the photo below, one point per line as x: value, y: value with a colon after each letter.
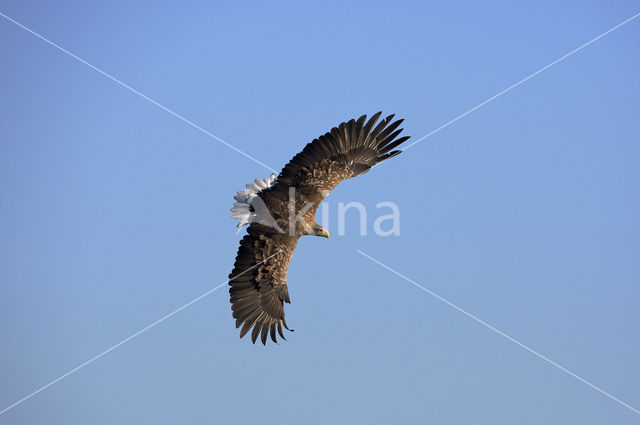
x: 282, y: 211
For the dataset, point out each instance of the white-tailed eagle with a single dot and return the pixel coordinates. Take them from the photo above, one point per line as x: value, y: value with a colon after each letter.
x: 280, y: 210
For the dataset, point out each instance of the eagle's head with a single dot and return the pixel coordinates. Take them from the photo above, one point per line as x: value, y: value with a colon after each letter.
x: 320, y: 231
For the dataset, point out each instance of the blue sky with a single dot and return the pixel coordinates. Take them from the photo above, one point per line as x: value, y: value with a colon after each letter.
x: 524, y: 213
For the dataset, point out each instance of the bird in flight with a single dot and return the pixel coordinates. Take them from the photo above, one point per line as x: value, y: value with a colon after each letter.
x: 281, y: 210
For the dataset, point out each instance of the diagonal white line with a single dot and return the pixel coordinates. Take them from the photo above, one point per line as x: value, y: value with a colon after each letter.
x: 91, y: 360
x: 521, y: 81
x: 175, y: 114
x: 112, y: 348
x: 546, y: 359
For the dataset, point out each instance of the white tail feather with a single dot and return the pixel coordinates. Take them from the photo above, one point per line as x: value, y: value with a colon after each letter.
x: 242, y: 209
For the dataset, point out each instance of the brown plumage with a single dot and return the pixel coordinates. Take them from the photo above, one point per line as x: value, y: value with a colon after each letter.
x: 258, y: 285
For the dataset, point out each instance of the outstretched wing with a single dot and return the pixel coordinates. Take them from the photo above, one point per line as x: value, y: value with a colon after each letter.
x: 346, y: 151
x: 258, y: 282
